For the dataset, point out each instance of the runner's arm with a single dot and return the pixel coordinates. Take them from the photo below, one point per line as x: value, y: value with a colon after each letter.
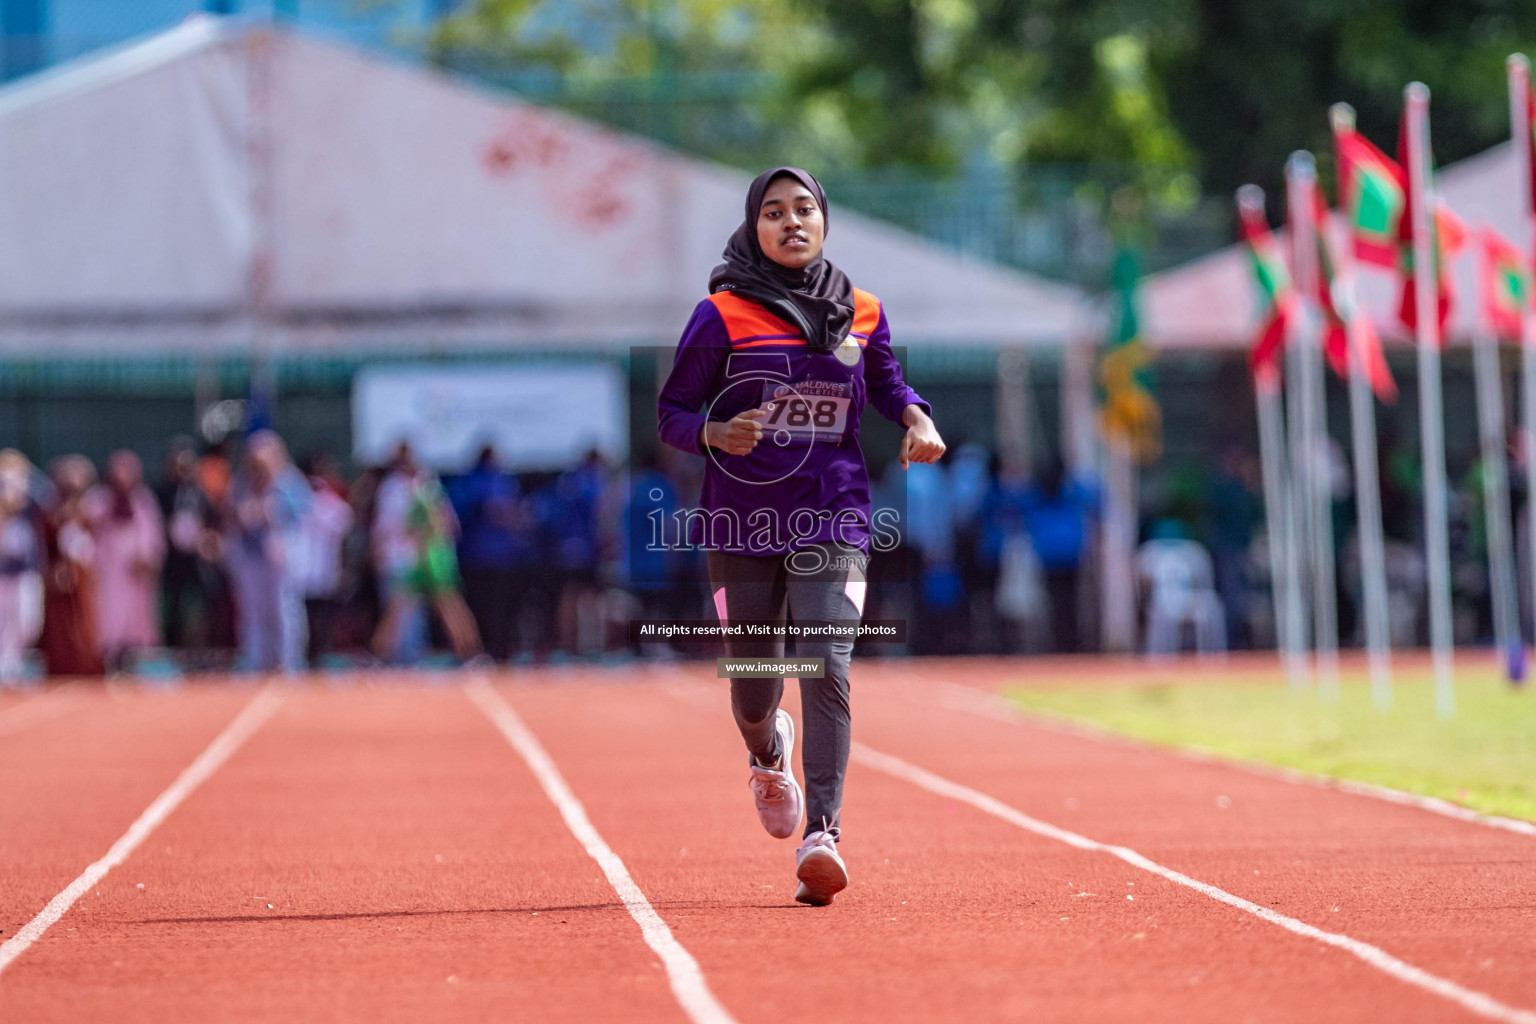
x: 700, y: 354
x: 897, y: 402
x: 888, y: 391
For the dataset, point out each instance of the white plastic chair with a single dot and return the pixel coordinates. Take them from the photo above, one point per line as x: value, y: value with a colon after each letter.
x: 1180, y: 584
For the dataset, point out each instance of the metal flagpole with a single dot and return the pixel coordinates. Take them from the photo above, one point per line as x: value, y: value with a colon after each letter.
x: 1284, y: 570
x: 1118, y: 627
x: 1520, y: 134
x: 1431, y: 413
x: 1301, y: 187
x: 1297, y: 502
x: 1284, y: 564
x: 1490, y: 419
x: 1362, y: 417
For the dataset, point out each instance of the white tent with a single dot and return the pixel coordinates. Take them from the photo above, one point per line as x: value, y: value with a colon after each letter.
x: 1212, y: 302
x: 153, y: 196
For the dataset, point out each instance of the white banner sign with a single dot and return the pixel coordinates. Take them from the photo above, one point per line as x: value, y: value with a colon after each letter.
x: 536, y: 415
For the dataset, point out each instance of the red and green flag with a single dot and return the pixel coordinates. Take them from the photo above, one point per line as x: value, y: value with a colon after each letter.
x: 1277, y: 294
x: 1448, y: 235
x: 1278, y: 297
x: 1335, y: 331
x: 1506, y: 285
x: 1373, y: 196
x: 1338, y: 315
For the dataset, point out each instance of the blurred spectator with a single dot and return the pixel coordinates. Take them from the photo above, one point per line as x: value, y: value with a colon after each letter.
x: 653, y: 566
x: 1005, y: 550
x: 214, y: 473
x: 889, y: 592
x: 268, y: 501
x: 20, y: 561
x: 569, y: 519
x: 970, y: 475
x: 433, y: 577
x: 394, y: 550
x: 130, y: 548
x: 1407, y: 587
x: 1401, y: 485
x: 494, y: 549
x: 940, y: 596
x: 1020, y: 598
x: 436, y: 575
x: 69, y: 639
x: 218, y: 622
x: 1234, y: 509
x: 180, y: 585
x: 206, y: 495
x: 317, y: 556
x: 360, y: 593
x: 319, y: 468
x: 1059, y: 513
x: 930, y: 512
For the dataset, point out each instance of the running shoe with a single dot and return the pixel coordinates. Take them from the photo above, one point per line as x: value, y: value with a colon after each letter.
x: 775, y: 790
x: 821, y: 871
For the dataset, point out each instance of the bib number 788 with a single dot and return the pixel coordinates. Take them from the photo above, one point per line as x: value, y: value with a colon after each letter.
x: 798, y: 417
x: 822, y: 413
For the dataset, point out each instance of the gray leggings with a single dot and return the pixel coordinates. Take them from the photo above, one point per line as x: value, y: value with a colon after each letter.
x: 760, y: 587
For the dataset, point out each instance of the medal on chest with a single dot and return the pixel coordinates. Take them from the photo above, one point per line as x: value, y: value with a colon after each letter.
x: 848, y: 352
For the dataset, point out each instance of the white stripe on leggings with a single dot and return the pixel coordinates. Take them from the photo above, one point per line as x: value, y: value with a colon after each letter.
x: 854, y: 591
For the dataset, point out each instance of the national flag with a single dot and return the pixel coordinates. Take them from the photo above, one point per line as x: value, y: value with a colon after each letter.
x: 1448, y: 238
x: 1335, y: 333
x: 1451, y: 230
x: 1127, y: 410
x: 1506, y: 284
x: 1448, y: 234
x: 1277, y: 293
x: 1338, y: 315
x: 1373, y: 196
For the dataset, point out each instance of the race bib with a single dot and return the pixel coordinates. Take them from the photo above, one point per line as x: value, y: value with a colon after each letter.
x: 806, y: 412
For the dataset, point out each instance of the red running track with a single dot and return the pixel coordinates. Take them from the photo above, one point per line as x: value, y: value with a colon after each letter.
x: 379, y: 850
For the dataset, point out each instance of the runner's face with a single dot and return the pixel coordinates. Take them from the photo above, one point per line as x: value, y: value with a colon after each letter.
x: 790, y: 227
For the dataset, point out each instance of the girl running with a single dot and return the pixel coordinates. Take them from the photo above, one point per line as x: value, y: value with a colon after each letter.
x: 771, y: 376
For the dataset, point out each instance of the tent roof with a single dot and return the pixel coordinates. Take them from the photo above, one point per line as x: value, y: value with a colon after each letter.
x: 1212, y: 302
x: 153, y: 194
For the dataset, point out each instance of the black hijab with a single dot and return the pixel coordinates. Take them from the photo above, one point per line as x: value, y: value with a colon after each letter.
x: 817, y: 298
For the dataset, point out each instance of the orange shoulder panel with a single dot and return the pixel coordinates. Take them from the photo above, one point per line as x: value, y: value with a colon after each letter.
x: 866, y: 313
x: 745, y: 320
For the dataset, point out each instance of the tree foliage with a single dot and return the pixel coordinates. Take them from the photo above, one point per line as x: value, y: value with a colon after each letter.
x: 1189, y: 94
x: 1251, y: 80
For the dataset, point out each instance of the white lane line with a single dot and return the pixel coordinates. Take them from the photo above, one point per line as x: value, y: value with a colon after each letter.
x: 250, y: 718
x: 1477, y: 1002
x: 957, y: 697
x: 683, y: 971
x: 34, y: 709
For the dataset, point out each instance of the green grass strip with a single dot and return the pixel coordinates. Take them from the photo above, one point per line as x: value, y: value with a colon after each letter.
x: 1483, y: 758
